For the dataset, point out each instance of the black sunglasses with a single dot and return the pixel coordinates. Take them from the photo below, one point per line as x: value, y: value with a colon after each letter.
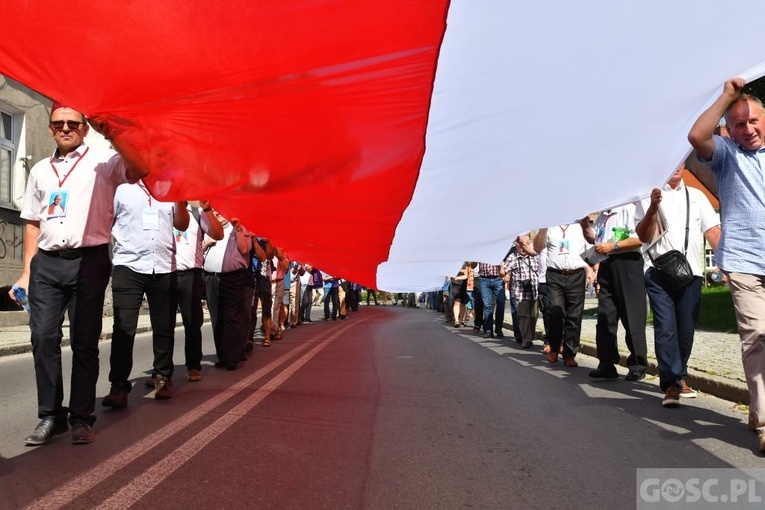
x: 72, y: 124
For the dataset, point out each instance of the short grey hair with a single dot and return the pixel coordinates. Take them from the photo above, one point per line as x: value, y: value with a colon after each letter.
x: 744, y: 97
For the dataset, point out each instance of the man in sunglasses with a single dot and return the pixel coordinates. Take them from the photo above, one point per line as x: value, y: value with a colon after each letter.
x: 66, y: 264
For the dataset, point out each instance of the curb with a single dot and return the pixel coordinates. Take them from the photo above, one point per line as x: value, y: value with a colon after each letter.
x: 720, y: 387
x: 23, y: 348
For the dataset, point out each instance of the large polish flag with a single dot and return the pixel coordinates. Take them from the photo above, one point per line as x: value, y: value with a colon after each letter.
x: 388, y: 141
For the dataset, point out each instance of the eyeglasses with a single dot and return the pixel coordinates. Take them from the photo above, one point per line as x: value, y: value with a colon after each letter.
x: 72, y: 124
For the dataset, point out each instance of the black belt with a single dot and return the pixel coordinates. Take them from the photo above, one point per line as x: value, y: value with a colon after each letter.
x: 208, y: 273
x: 566, y: 271
x: 71, y: 253
x: 492, y: 276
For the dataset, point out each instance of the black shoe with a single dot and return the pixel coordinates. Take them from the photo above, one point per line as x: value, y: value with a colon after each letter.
x: 117, y: 397
x: 82, y: 433
x: 243, y: 357
x: 231, y: 365
x: 600, y: 373
x: 635, y: 376
x: 45, y: 430
x: 499, y: 334
x: 326, y: 318
x: 220, y: 364
x: 249, y: 346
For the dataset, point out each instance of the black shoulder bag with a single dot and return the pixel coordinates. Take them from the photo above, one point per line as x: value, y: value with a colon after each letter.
x: 673, y: 267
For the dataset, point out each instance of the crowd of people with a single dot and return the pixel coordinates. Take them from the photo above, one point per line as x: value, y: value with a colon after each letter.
x: 652, y: 248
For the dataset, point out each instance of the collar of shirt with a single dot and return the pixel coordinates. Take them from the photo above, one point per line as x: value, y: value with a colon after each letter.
x: 76, y: 152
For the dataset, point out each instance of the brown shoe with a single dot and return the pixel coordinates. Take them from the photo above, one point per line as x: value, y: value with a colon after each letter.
x: 687, y: 391
x: 671, y: 397
x: 570, y: 362
x: 162, y: 387
x: 526, y: 345
x: 194, y: 375
x: 117, y: 397
x: 552, y: 357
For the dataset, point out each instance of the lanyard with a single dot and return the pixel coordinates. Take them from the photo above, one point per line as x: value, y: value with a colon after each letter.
x: 564, y: 230
x: 140, y: 185
x: 62, y: 181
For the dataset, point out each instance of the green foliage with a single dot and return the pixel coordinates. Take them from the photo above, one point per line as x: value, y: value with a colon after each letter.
x: 717, y: 313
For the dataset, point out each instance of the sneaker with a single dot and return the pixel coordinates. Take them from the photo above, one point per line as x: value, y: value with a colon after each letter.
x: 117, y: 397
x: 604, y: 373
x: 249, y: 346
x: 634, y: 376
x: 488, y: 334
x: 162, y: 388
x: 82, y: 433
x: 194, y: 375
x: 671, y: 397
x: 687, y: 391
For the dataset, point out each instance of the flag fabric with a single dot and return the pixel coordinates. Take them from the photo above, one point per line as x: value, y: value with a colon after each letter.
x: 387, y: 142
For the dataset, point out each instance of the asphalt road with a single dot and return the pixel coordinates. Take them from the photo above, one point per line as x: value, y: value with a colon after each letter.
x: 391, y: 408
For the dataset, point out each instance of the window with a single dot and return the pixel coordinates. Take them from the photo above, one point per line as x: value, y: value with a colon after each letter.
x: 6, y: 156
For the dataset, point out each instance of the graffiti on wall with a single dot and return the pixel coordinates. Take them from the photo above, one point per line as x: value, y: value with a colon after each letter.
x: 11, y: 242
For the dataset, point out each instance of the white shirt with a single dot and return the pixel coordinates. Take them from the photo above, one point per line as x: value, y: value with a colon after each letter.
x: 673, y: 205
x: 143, y: 231
x: 618, y: 217
x: 90, y: 178
x: 224, y: 256
x: 189, y: 243
x: 563, y: 247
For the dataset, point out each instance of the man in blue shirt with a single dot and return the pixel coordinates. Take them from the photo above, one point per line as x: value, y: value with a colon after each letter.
x: 737, y: 163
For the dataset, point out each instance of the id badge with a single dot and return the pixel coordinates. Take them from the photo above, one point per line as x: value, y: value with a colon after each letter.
x: 57, y: 202
x: 150, y: 219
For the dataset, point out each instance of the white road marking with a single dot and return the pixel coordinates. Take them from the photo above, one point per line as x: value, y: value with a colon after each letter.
x: 69, y: 491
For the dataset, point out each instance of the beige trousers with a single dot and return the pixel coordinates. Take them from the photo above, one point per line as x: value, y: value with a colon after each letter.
x: 748, y: 293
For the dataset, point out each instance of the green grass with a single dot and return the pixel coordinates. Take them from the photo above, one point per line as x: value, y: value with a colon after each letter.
x: 716, y: 312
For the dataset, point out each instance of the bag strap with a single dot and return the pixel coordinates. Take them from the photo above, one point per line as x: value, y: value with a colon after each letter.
x: 687, y: 224
x: 687, y: 218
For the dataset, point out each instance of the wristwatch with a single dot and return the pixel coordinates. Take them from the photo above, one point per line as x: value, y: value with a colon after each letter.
x: 616, y: 246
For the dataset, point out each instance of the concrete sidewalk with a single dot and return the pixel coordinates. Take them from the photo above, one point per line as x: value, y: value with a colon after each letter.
x: 715, y: 365
x: 15, y: 339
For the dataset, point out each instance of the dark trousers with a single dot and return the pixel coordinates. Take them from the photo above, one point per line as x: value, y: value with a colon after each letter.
x: 544, y: 305
x: 262, y: 295
x: 674, y: 320
x: 371, y: 294
x: 566, y: 295
x: 191, y: 289
x: 477, y: 304
x: 516, y: 323
x: 58, y: 285
x: 128, y: 289
x: 225, y: 300
x: 333, y: 296
x: 622, y: 296
x: 527, y: 320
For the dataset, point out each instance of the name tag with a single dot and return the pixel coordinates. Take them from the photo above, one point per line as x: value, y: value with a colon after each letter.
x: 150, y: 219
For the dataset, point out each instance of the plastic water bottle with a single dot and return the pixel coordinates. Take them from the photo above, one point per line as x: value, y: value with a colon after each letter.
x: 620, y: 234
x: 21, y: 297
